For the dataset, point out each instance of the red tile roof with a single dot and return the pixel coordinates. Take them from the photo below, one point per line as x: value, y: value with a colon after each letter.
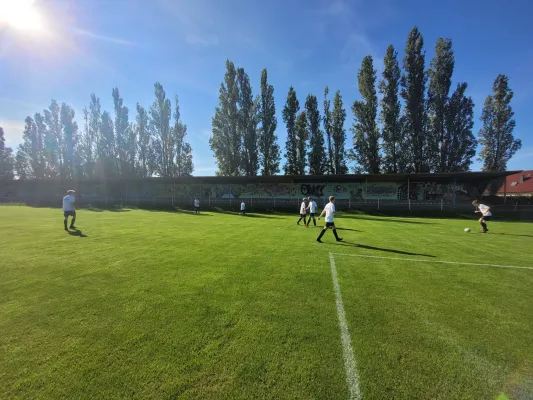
x: 518, y: 183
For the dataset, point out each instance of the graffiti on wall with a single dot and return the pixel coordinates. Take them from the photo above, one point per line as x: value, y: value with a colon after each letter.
x: 357, y: 191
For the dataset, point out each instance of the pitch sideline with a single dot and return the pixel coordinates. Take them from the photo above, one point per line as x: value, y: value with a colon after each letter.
x: 431, y: 261
x: 352, y: 377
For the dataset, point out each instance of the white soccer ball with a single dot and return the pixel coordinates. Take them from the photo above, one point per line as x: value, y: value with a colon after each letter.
x: 467, y: 229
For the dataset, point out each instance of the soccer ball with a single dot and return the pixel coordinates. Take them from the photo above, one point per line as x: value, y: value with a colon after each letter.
x: 467, y: 229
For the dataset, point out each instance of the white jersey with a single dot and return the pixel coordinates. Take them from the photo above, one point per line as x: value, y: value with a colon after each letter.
x: 312, y: 207
x: 330, y: 212
x: 484, y: 210
x: 197, y: 203
x: 243, y: 206
x: 302, y: 208
x: 68, y: 203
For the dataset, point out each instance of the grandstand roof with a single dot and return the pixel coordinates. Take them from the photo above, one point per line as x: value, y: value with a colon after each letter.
x: 445, y: 177
x: 519, y: 183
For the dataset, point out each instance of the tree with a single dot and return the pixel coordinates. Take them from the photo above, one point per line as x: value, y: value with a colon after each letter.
x: 328, y: 130
x: 269, y: 152
x: 247, y: 124
x: 496, y: 134
x: 461, y: 143
x: 225, y: 141
x: 122, y: 135
x: 291, y: 108
x: 413, y: 92
x: 143, y: 137
x: 301, y: 143
x: 7, y: 162
x: 53, y: 141
x: 70, y: 141
x: 393, y: 142
x: 163, y: 143
x: 317, y: 154
x: 339, y: 135
x: 440, y: 80
x: 30, y: 162
x: 366, y: 133
x: 106, y: 166
x: 184, y: 166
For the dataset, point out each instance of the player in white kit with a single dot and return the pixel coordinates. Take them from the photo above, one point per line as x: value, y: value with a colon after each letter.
x: 329, y: 211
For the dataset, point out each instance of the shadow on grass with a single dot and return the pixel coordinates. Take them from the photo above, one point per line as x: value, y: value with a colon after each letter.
x: 78, y: 233
x: 363, y: 246
x: 106, y: 209
x: 385, y: 219
x: 513, y: 234
x: 348, y: 229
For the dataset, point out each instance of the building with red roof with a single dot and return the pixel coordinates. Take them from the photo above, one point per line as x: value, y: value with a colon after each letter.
x: 520, y: 184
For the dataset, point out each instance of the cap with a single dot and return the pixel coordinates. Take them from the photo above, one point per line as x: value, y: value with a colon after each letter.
x: 71, y: 191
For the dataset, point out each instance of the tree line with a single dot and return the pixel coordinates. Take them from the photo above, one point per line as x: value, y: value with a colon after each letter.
x: 108, y: 145
x: 417, y: 124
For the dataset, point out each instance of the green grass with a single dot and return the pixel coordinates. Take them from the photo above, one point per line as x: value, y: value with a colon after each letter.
x: 160, y: 305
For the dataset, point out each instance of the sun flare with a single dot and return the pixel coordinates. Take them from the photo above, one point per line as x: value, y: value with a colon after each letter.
x: 21, y: 15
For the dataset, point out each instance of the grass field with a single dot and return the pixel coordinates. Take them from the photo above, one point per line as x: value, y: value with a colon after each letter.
x: 167, y: 305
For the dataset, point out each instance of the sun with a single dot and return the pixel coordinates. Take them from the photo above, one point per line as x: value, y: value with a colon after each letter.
x: 21, y: 15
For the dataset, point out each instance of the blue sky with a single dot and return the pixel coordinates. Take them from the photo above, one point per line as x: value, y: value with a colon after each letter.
x: 96, y: 45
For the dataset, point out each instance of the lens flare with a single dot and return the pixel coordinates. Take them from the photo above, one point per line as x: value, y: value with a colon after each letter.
x: 21, y: 15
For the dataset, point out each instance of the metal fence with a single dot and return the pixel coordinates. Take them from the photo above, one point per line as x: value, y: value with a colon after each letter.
x: 267, y: 204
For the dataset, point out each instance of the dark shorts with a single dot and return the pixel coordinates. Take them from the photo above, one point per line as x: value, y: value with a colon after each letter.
x: 196, y: 208
x: 312, y: 215
x: 67, y: 214
x: 330, y: 225
x: 303, y: 215
x: 487, y: 217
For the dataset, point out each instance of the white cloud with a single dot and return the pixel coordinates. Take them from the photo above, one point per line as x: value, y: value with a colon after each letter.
x: 202, y: 40
x: 109, y: 39
x: 13, y: 130
x: 338, y: 8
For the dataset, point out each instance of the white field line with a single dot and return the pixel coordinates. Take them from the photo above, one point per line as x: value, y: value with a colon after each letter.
x: 432, y: 261
x: 352, y: 378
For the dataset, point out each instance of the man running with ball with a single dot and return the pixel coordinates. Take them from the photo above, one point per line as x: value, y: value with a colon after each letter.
x: 329, y: 211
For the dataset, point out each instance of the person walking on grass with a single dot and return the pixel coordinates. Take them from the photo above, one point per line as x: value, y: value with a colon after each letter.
x: 486, y: 214
x: 196, y: 206
x: 312, y: 210
x: 243, y: 208
x: 329, y: 211
x: 303, y: 208
x: 68, y: 209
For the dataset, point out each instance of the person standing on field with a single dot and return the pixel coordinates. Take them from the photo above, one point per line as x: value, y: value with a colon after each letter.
x: 243, y: 208
x: 312, y: 210
x: 303, y: 208
x: 196, y: 206
x: 68, y: 209
x: 486, y: 214
x: 329, y: 211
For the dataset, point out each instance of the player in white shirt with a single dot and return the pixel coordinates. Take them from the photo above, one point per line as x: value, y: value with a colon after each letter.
x: 196, y: 206
x: 243, y: 208
x: 68, y: 209
x: 329, y: 211
x: 303, y: 212
x: 312, y: 210
x: 486, y: 214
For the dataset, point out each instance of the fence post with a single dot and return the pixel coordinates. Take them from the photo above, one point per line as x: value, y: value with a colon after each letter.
x: 350, y: 203
x: 274, y: 202
x: 209, y: 199
x: 378, y: 203
x: 441, y: 204
x: 251, y: 202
